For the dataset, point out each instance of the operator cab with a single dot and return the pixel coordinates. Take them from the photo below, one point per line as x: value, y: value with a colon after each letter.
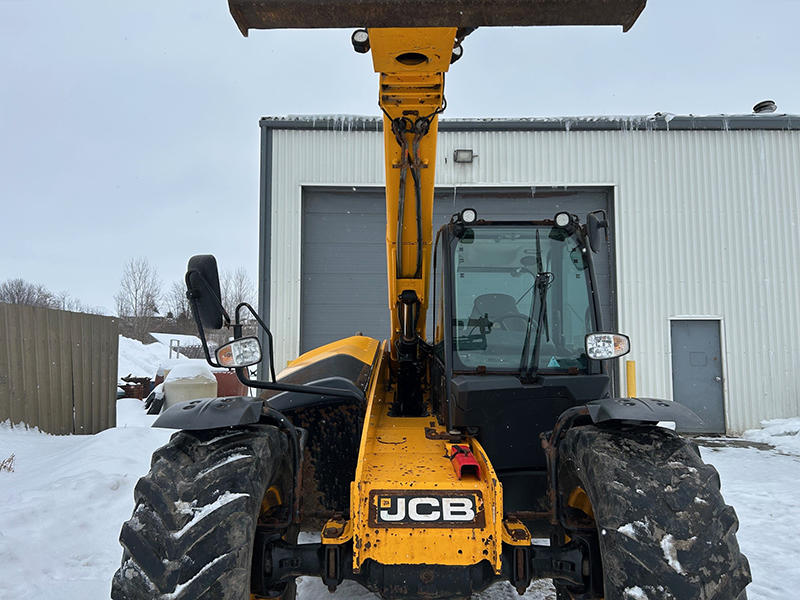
x: 513, y: 305
x: 514, y: 298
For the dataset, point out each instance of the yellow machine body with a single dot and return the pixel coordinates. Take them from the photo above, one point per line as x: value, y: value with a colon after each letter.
x: 409, y: 458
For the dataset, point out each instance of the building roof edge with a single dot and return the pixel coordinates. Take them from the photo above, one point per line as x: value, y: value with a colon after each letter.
x: 656, y: 122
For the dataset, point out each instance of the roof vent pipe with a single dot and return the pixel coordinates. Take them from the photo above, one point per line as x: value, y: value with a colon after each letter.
x: 765, y: 106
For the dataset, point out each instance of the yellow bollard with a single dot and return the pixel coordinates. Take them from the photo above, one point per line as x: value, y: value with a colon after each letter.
x: 631, y: 378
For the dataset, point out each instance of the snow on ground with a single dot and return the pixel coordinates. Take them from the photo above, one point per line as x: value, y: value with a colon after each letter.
x: 311, y: 588
x: 784, y: 434
x: 62, y: 506
x: 762, y: 487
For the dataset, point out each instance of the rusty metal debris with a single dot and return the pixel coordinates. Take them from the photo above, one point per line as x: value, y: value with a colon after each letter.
x: 135, y: 387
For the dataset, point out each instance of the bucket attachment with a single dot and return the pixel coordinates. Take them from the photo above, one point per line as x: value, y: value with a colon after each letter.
x: 334, y: 14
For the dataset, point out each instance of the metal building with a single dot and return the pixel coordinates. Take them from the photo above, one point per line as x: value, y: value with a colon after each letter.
x: 702, y: 267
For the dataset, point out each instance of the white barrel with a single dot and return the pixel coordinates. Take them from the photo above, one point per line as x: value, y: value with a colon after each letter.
x: 189, y: 380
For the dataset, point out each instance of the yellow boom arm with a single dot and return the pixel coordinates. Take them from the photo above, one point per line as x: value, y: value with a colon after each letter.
x: 411, y: 63
x: 412, y: 43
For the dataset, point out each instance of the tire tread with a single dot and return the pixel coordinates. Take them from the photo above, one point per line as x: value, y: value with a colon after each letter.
x: 210, y: 559
x: 646, y: 484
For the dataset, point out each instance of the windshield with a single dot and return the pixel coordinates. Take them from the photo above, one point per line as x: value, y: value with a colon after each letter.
x: 499, y: 306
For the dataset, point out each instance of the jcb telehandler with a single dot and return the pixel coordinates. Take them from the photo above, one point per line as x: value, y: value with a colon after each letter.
x: 435, y: 467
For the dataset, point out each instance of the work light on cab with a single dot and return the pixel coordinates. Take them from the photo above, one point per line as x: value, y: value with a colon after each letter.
x: 602, y: 346
x: 469, y: 215
x: 243, y: 352
x: 563, y: 219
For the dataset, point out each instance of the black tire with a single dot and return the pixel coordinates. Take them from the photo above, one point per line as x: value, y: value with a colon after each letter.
x: 662, y: 524
x: 192, y: 531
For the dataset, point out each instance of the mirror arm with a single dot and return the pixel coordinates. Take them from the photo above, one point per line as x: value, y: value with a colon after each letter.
x: 191, y: 294
x: 202, y: 332
x: 265, y: 328
x: 244, y: 378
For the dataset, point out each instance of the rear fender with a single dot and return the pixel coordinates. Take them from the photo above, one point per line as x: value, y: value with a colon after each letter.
x: 212, y: 413
x: 641, y: 410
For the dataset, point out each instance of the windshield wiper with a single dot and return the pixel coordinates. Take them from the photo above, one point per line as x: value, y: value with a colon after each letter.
x: 528, y: 367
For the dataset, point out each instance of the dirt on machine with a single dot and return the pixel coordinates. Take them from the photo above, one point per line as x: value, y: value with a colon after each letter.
x: 435, y: 463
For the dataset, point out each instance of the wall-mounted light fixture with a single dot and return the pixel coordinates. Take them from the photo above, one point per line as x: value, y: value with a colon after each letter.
x: 463, y: 156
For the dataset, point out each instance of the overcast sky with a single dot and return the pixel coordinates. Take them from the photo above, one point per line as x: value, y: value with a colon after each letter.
x: 131, y: 128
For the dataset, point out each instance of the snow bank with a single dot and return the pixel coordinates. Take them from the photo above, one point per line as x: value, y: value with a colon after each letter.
x: 784, y: 434
x: 140, y: 360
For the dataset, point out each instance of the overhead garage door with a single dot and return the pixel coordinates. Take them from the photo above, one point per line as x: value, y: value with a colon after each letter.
x: 344, y: 287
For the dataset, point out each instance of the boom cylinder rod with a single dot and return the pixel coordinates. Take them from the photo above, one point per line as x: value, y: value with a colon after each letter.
x: 408, y: 323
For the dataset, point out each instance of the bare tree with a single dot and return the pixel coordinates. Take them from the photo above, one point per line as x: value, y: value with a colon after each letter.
x: 236, y: 287
x: 177, y: 309
x: 176, y: 302
x: 63, y: 301
x: 19, y: 291
x: 139, y: 294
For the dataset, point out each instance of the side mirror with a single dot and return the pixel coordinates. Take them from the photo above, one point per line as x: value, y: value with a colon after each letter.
x: 202, y: 285
x: 593, y: 226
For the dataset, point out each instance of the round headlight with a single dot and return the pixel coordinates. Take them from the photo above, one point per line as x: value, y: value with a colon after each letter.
x: 563, y: 219
x: 469, y: 215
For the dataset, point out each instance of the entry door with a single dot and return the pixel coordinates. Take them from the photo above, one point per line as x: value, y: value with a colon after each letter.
x: 697, y: 372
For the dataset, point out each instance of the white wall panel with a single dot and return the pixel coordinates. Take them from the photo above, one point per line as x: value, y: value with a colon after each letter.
x: 706, y: 225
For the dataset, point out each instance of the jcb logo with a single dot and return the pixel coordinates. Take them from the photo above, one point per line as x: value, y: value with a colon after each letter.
x: 429, y: 509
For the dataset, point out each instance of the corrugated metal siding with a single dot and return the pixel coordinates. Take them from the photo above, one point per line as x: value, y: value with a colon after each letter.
x: 58, y: 369
x: 705, y: 224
